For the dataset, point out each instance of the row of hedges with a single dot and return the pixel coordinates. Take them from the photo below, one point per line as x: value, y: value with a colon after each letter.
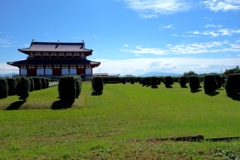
x: 211, y: 82
x: 69, y: 88
x: 21, y: 86
x: 111, y: 80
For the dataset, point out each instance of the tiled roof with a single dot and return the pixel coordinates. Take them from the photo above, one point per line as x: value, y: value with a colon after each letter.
x: 54, y: 62
x: 56, y: 47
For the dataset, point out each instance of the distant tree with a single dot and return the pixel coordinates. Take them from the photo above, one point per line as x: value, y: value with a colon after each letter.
x: 190, y: 73
x: 129, y: 75
x: 231, y: 71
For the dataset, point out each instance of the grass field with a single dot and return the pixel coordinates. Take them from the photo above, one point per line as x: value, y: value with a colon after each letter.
x: 118, y: 123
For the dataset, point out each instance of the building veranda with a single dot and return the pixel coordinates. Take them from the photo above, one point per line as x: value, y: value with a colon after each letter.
x: 54, y: 59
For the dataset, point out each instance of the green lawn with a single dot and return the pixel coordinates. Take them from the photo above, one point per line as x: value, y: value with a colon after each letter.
x: 117, y: 123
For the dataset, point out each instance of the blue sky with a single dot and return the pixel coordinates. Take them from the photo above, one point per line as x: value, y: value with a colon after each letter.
x: 128, y: 36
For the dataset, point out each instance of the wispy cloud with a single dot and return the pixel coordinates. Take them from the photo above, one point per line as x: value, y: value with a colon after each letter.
x: 169, y: 26
x: 5, y: 43
x: 222, y: 5
x: 207, y: 18
x: 212, y: 26
x: 217, y: 32
x: 174, y: 65
x: 154, y: 8
x: 193, y: 48
x: 6, y: 69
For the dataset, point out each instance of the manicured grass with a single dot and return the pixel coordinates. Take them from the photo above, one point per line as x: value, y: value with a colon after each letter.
x: 117, y: 123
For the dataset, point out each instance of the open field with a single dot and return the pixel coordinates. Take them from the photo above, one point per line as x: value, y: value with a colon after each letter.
x: 117, y: 123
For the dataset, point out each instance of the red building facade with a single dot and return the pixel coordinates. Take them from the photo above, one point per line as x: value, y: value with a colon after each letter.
x: 56, y: 59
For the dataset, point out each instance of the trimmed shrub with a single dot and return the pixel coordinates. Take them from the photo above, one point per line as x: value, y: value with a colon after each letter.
x: 218, y: 80
x: 233, y: 84
x: 194, y: 83
x: 37, y: 83
x: 23, y: 88
x: 78, y: 83
x: 97, y: 84
x: 223, y: 80
x: 3, y: 88
x: 159, y: 80
x: 31, y: 84
x: 47, y: 83
x: 12, y: 85
x: 148, y: 81
x: 183, y: 81
x: 111, y: 80
x: 210, y: 83
x: 168, y: 81
x: 132, y: 80
x: 154, y: 82
x: 123, y: 80
x: 143, y: 81
x: 44, y: 82
x: 67, y: 88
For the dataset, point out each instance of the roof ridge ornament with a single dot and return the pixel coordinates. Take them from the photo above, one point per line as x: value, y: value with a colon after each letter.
x: 31, y: 43
x: 83, y: 47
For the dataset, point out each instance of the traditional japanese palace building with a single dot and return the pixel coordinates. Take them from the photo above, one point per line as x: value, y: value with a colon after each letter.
x: 56, y: 59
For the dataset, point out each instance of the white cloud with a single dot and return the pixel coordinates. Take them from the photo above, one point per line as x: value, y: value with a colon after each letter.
x: 210, y: 33
x: 6, y: 69
x: 154, y: 8
x: 170, y: 26
x: 5, y: 43
x: 222, y: 5
x: 172, y: 65
x: 217, y: 32
x: 212, y: 26
x: 194, y: 48
x: 141, y: 50
x: 207, y: 18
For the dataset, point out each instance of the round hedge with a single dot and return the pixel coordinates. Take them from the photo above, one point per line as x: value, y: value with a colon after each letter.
x: 3, y: 88
x: 23, y: 88
x: 12, y: 85
x: 183, y: 81
x: 233, y: 84
x: 97, y: 84
x: 194, y: 83
x: 168, y: 81
x: 210, y: 83
x: 67, y: 88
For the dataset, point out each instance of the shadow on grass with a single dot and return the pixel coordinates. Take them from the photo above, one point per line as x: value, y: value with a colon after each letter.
x: 195, y: 91
x: 184, y: 86
x: 97, y: 93
x: 15, y: 105
x: 61, y: 104
x: 235, y: 97
x: 215, y: 93
x: 154, y: 87
x: 168, y: 86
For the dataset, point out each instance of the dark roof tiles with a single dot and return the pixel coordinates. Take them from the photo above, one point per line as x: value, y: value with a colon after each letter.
x: 56, y: 47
